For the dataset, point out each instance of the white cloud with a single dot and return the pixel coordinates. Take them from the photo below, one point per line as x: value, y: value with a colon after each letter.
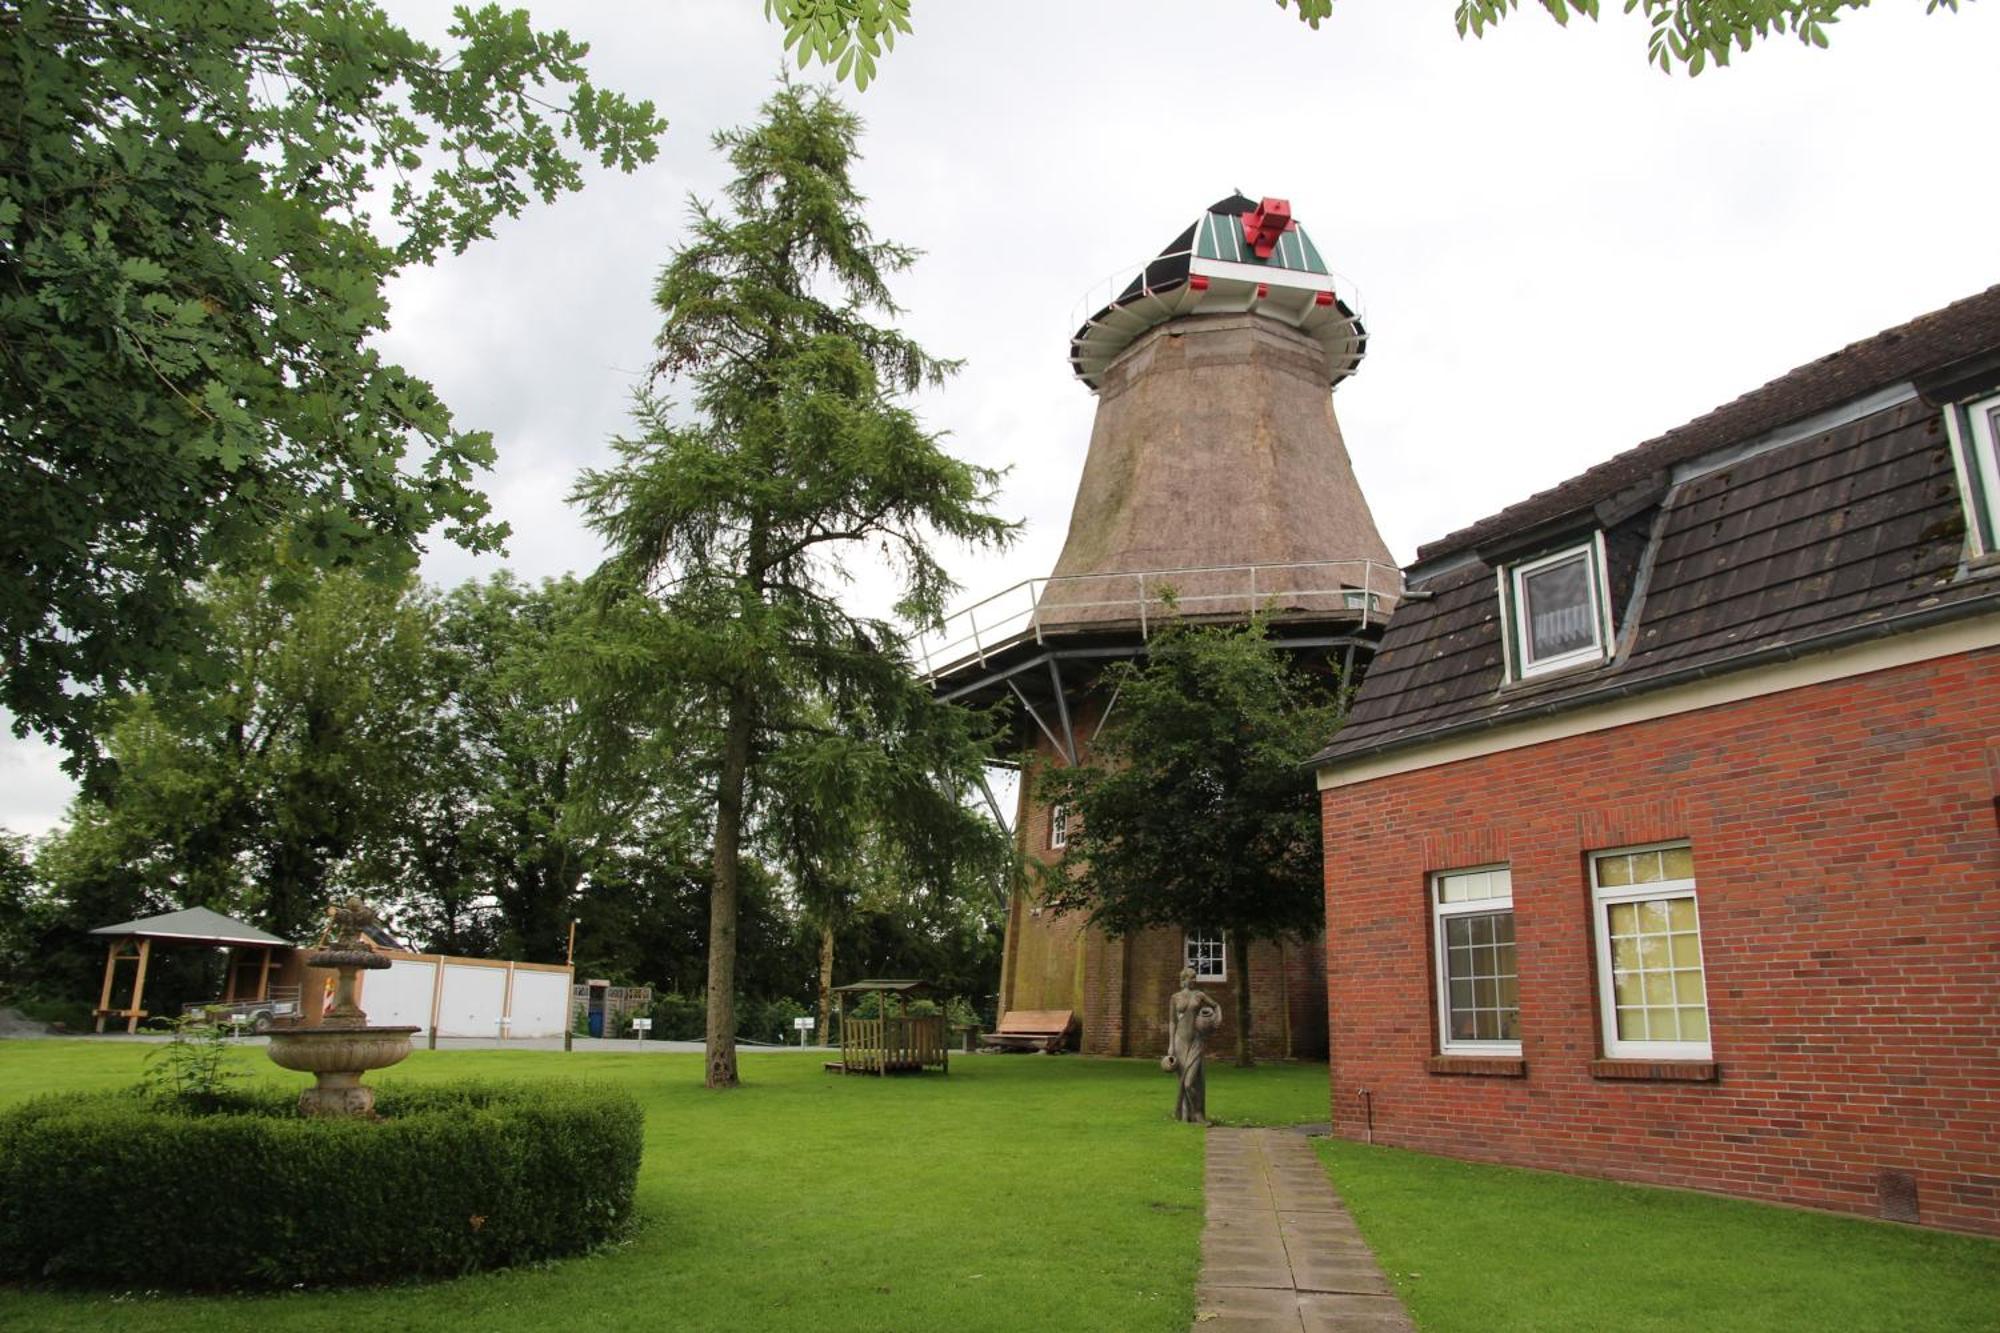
x: 1561, y: 251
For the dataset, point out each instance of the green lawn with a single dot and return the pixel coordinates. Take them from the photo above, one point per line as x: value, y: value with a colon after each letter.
x: 1019, y: 1192
x: 1490, y: 1248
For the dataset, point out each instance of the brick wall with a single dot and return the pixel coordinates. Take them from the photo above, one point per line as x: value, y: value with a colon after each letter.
x: 1847, y: 867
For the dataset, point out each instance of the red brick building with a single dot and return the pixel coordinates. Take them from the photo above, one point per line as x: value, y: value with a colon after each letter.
x: 1662, y: 842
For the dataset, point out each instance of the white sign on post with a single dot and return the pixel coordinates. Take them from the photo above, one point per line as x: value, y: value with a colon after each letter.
x: 802, y: 1026
x: 640, y: 1027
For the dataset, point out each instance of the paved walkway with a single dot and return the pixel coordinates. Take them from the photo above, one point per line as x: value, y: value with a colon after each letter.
x: 1280, y: 1251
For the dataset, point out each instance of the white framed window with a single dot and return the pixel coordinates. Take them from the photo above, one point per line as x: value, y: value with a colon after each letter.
x: 1207, y: 952
x: 1651, y: 982
x: 1975, y: 438
x: 1478, y: 987
x: 1058, y: 827
x: 1557, y: 612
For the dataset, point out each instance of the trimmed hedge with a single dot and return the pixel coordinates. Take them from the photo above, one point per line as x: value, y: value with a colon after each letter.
x: 116, y: 1188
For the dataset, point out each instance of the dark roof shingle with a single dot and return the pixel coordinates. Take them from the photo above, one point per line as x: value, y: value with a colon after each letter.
x: 1839, y: 533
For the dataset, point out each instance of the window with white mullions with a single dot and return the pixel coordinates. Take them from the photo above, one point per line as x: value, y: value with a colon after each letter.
x: 1652, y: 981
x: 1207, y: 952
x: 1556, y: 606
x: 1479, y: 1004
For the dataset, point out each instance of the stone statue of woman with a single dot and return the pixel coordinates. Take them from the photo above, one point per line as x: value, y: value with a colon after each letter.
x: 1191, y: 1016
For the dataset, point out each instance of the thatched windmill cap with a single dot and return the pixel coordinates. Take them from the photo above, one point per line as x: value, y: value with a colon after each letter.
x: 1241, y: 255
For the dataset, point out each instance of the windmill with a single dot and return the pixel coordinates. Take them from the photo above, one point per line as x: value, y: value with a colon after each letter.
x: 1216, y: 486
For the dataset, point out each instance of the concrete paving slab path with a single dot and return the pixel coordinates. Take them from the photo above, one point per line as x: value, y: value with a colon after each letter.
x: 1279, y: 1253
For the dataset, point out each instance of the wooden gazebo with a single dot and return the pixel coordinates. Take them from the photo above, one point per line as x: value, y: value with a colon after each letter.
x: 895, y: 1041
x: 250, y: 951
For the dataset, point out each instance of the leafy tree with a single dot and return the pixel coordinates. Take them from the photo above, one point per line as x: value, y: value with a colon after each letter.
x: 643, y: 918
x: 190, y: 277
x: 505, y: 800
x: 869, y: 836
x: 257, y: 789
x: 20, y: 912
x: 850, y: 36
x: 727, y: 524
x: 1197, y: 808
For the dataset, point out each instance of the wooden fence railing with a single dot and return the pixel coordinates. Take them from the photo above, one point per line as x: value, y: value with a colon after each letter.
x: 890, y: 1045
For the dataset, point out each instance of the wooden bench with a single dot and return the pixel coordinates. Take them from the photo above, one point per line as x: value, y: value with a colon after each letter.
x: 1045, y: 1030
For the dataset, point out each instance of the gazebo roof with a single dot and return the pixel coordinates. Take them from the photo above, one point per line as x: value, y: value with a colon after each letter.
x: 196, y: 925
x: 901, y: 986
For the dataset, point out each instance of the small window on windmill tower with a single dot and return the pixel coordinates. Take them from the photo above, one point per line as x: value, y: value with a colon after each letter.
x: 1058, y: 827
x: 1207, y: 953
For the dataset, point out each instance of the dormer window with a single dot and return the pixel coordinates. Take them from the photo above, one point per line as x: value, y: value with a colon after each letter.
x: 1975, y: 432
x: 1556, y: 606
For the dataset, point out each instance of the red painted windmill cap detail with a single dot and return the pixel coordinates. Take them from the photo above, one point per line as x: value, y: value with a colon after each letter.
x: 1263, y: 225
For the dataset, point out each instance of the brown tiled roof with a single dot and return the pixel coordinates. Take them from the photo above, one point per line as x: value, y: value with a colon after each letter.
x: 1855, y: 530
x: 1963, y: 329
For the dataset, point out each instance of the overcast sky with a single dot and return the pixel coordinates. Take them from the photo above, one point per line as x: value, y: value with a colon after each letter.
x: 1558, y: 251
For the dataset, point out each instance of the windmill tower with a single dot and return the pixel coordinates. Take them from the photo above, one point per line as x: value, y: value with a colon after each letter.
x: 1216, y: 486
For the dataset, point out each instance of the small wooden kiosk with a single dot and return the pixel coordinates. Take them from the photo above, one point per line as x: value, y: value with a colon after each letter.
x: 895, y: 1041
x: 252, y: 954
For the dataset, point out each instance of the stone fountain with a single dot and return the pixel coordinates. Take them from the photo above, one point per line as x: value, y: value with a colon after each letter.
x: 343, y: 1047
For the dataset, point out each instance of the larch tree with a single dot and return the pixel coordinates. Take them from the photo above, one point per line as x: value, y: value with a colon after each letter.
x: 728, y: 523
x: 1197, y: 809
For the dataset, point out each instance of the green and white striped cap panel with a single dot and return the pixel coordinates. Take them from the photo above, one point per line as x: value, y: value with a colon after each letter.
x: 1220, y: 236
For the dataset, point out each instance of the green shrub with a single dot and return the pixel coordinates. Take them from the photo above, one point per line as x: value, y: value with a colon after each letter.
x: 685, y: 1018
x: 72, y: 1014
x: 119, y: 1188
x: 679, y: 1017
x: 771, y: 1020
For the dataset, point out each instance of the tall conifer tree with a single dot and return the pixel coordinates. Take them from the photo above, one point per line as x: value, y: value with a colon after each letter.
x: 728, y: 524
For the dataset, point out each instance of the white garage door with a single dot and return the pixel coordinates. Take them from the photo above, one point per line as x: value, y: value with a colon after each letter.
x: 471, y: 1006
x: 400, y: 994
x: 541, y: 1003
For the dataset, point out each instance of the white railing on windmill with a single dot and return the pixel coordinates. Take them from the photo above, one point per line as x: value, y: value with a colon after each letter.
x: 1142, y: 601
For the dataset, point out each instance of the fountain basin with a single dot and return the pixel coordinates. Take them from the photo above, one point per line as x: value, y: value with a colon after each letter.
x: 338, y: 1057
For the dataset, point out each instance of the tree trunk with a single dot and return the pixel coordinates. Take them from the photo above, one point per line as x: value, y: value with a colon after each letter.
x: 825, y: 982
x: 1239, y: 962
x: 722, y: 900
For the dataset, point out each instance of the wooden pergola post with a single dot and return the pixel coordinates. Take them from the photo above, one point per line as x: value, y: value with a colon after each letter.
x: 264, y: 976
x: 104, y: 997
x: 139, y: 985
